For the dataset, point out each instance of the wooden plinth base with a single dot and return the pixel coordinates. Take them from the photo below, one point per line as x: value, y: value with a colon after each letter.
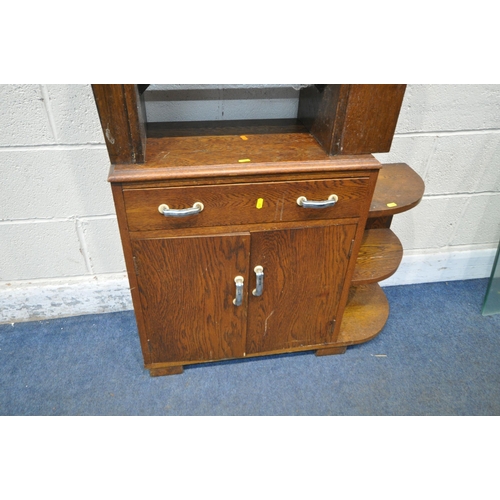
x: 331, y: 351
x: 168, y: 370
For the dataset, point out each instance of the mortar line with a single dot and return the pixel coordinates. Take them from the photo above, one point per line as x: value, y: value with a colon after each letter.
x: 429, y: 159
x: 83, y: 245
x: 432, y: 133
x: 447, y: 249
x: 52, y: 147
x: 44, y: 220
x: 460, y: 195
x: 48, y: 110
x: 97, y: 217
x: 64, y: 280
x: 459, y: 217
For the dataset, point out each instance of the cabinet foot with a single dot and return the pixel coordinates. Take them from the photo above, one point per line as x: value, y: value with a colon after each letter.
x: 332, y: 350
x: 167, y: 370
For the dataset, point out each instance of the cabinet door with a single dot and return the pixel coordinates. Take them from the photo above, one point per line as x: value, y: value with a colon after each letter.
x: 304, y: 272
x: 187, y: 286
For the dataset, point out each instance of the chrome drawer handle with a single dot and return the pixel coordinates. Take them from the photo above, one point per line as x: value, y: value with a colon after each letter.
x: 305, y: 203
x: 181, y: 212
x: 239, y: 290
x: 259, y: 278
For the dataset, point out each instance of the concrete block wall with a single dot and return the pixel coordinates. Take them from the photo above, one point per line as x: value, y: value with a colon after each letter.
x: 60, y: 251
x: 450, y: 134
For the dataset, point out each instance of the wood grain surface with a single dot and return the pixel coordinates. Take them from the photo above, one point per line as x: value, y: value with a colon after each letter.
x: 187, y: 289
x: 244, y: 203
x: 304, y: 275
x: 378, y: 258
x: 249, y: 176
x: 228, y: 149
x: 122, y: 119
x: 224, y: 127
x: 352, y: 119
x: 365, y: 315
x: 399, y: 188
x: 371, y: 117
x: 160, y: 173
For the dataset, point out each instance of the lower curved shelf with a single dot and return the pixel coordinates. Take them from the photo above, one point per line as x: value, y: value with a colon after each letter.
x: 379, y: 256
x: 365, y: 315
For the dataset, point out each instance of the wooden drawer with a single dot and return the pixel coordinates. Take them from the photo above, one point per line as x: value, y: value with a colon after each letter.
x: 231, y: 204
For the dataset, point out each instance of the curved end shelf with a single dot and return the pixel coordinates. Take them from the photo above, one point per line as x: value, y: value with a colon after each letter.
x: 399, y: 188
x: 365, y: 315
x: 379, y: 257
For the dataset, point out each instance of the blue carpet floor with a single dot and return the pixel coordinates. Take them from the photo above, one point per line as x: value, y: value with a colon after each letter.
x: 436, y: 356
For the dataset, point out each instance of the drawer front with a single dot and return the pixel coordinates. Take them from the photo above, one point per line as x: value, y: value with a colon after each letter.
x: 231, y: 204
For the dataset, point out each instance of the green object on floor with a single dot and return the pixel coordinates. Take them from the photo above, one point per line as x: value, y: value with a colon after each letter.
x: 492, y: 299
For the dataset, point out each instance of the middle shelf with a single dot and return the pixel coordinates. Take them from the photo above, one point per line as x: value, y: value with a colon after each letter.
x: 379, y: 256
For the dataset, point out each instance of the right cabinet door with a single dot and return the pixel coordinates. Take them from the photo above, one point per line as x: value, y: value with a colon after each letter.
x: 304, y: 273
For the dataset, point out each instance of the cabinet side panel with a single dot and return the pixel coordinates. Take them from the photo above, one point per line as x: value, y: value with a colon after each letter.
x: 371, y: 117
x: 304, y: 274
x: 129, y: 262
x: 187, y: 287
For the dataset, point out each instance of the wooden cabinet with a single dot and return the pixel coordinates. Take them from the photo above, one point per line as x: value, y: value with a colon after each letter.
x: 290, y: 263
x: 188, y: 291
x: 253, y: 238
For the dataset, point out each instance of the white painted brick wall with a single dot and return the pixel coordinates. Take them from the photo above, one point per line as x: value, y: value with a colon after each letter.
x: 445, y: 108
x: 53, y: 165
x: 74, y: 114
x: 57, y: 181
x: 103, y: 245
x: 40, y: 250
x: 23, y: 120
x: 450, y: 134
x: 58, y: 226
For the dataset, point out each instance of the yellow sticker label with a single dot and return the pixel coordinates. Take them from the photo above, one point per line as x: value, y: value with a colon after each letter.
x: 260, y: 203
x: 245, y: 160
x: 244, y: 137
x: 392, y: 205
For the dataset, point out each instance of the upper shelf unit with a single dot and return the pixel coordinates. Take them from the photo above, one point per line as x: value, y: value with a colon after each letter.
x: 333, y: 119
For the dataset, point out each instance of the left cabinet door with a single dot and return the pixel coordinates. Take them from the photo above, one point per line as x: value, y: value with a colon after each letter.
x: 187, y: 287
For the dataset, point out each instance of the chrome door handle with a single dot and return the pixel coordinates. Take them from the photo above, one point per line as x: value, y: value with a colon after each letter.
x: 259, y: 281
x: 305, y: 203
x: 181, y: 212
x: 239, y: 290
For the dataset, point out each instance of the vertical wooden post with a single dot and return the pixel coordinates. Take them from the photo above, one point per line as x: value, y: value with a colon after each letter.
x: 123, y: 122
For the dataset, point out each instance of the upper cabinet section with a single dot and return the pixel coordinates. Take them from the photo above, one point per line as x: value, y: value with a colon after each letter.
x: 341, y: 119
